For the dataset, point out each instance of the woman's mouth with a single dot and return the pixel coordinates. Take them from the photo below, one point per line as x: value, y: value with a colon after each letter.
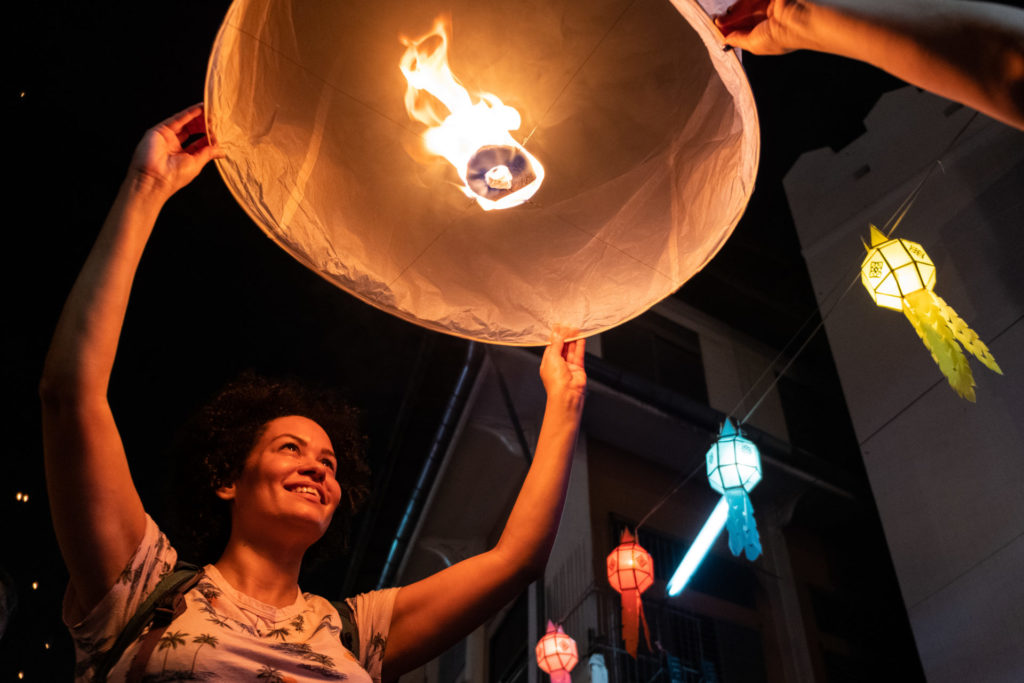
x: 310, y: 492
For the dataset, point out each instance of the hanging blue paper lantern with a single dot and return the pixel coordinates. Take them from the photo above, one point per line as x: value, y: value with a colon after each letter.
x: 734, y: 469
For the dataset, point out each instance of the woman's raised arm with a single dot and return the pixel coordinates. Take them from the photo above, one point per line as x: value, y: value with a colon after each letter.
x: 432, y: 614
x: 96, y: 510
x: 971, y: 52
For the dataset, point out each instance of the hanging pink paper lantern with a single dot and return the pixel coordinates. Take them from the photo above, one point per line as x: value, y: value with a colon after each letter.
x: 556, y: 654
x: 630, y: 573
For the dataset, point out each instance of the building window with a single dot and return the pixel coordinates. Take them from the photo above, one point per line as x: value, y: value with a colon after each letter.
x: 660, y: 351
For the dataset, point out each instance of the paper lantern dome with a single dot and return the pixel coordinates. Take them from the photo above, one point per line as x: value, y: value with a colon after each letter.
x: 630, y: 573
x: 556, y: 653
x: 630, y: 567
x: 899, y: 275
x: 894, y: 268
x: 732, y: 461
x: 644, y: 125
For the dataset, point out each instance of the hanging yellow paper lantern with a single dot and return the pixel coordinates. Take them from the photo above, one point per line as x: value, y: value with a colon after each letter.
x: 630, y: 573
x: 641, y: 128
x: 556, y: 654
x: 898, y: 274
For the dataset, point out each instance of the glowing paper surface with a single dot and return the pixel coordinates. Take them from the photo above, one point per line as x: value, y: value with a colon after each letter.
x: 645, y: 126
x: 557, y: 654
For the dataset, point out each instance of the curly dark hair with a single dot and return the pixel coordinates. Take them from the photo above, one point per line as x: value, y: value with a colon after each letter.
x: 213, y: 447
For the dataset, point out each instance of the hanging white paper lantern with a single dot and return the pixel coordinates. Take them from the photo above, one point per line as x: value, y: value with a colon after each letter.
x: 644, y: 125
x: 734, y: 469
x: 733, y: 461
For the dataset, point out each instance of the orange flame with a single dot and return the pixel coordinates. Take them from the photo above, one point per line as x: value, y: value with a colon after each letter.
x: 495, y: 170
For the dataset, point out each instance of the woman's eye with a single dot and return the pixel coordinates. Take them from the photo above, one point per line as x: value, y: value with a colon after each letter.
x: 288, y: 445
x: 329, y: 463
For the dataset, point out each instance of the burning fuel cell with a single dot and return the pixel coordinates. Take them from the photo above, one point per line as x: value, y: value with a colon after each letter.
x: 495, y: 170
x: 498, y: 171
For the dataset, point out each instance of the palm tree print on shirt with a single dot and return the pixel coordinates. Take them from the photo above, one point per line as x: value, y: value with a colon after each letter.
x: 203, y: 639
x: 280, y: 633
x: 170, y: 641
x: 269, y: 674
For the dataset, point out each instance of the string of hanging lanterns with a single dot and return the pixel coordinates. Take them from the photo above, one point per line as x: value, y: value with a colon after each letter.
x: 898, y: 274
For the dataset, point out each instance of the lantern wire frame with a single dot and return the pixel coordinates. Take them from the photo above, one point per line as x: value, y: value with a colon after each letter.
x: 733, y: 461
x: 895, y: 268
x: 630, y: 566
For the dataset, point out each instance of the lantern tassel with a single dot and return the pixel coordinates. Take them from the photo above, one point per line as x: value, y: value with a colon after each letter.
x: 632, y: 617
x: 560, y: 676
x: 743, y: 536
x: 643, y: 620
x: 931, y: 320
x: 967, y: 337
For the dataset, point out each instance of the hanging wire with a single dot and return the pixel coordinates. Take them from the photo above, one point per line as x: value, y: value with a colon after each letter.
x: 888, y: 228
x: 682, y: 482
x: 587, y: 592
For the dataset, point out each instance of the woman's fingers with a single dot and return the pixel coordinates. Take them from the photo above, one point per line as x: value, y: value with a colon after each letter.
x: 577, y: 352
x: 176, y: 122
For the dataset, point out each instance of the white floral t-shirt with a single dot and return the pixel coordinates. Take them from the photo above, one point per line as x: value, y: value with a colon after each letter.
x: 226, y: 635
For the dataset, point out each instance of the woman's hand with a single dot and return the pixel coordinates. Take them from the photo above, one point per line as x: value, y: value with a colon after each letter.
x: 561, y: 367
x: 172, y: 153
x: 759, y: 26
x: 970, y: 52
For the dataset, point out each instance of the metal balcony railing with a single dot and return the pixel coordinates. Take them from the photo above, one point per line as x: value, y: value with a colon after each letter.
x: 685, y: 648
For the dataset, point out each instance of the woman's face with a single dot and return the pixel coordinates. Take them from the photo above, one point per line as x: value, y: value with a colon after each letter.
x: 288, y: 482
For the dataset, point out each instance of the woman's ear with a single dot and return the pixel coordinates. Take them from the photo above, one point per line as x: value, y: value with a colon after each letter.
x: 226, y: 492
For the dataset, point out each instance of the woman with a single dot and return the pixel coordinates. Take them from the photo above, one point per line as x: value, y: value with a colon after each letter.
x: 281, y: 501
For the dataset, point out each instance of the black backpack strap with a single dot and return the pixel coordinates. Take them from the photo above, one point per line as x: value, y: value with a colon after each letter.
x: 349, y: 629
x: 158, y: 606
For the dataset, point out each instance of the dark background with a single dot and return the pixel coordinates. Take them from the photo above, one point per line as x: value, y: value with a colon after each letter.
x: 214, y: 296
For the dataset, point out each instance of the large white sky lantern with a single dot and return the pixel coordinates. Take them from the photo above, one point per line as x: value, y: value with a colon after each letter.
x: 617, y: 154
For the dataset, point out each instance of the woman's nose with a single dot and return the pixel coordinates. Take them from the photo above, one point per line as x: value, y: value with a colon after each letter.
x: 314, y: 468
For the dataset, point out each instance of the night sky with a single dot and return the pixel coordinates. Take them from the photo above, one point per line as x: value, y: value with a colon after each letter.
x: 214, y: 296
